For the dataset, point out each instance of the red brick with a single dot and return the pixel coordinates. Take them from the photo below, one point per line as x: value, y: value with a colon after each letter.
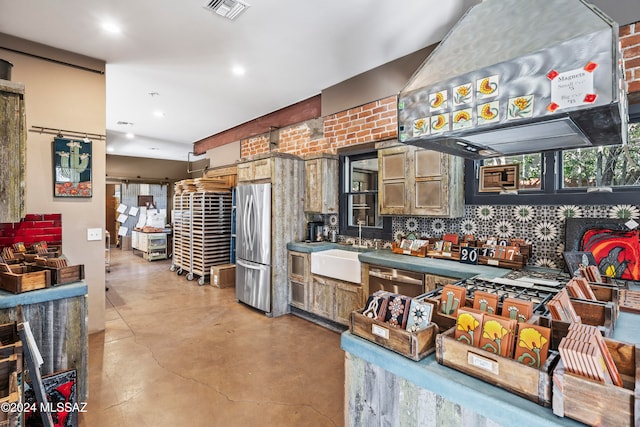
x: 32, y: 217
x: 625, y: 31
x: 631, y: 52
x: 632, y: 63
x: 631, y: 40
x: 633, y: 86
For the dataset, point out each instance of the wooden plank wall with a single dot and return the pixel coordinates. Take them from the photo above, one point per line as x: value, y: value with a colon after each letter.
x: 376, y: 397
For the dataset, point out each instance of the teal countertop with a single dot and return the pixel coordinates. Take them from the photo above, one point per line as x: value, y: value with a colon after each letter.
x: 495, y: 403
x: 386, y: 258
x: 70, y: 290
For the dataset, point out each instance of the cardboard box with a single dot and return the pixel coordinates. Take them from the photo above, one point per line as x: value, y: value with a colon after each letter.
x: 223, y: 276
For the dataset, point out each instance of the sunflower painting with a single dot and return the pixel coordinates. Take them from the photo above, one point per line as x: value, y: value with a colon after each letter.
x: 497, y: 335
x: 468, y: 327
x: 532, y: 345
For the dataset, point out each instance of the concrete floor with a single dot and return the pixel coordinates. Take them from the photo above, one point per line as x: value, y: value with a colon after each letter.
x: 177, y: 354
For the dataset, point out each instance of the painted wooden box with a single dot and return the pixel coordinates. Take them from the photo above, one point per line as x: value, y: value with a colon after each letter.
x: 529, y: 382
x: 22, y: 279
x: 593, y: 403
x: 414, y: 345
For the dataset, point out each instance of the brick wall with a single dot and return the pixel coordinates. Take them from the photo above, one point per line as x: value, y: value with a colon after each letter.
x: 630, y: 42
x: 33, y: 229
x: 375, y: 121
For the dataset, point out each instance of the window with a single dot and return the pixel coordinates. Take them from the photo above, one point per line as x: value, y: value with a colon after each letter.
x: 359, y: 197
x: 530, y: 169
x: 564, y: 176
x: 608, y: 166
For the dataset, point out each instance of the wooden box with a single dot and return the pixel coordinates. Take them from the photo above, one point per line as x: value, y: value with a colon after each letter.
x: 223, y: 276
x: 594, y: 313
x: 593, y: 403
x: 9, y: 389
x: 64, y: 275
x: 528, y: 382
x: 22, y: 279
x: 414, y: 345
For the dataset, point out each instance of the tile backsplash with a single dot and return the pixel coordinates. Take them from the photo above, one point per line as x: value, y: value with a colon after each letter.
x: 542, y: 225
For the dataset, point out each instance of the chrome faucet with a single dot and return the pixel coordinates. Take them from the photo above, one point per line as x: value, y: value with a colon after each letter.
x: 359, y: 241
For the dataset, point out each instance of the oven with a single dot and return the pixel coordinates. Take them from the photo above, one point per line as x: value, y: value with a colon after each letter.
x: 409, y: 283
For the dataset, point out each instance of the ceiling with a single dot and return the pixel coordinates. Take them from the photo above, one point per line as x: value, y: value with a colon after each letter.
x: 176, y: 57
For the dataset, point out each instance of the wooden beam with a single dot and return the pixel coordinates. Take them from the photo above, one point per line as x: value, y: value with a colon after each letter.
x: 308, y: 109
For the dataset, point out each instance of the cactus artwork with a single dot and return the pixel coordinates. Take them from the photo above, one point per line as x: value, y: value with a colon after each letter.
x: 72, y: 167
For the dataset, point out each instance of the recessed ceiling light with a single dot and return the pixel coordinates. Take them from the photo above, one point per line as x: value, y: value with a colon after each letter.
x: 238, y: 70
x: 110, y: 149
x: 154, y: 148
x: 129, y: 135
x: 158, y: 113
x: 111, y: 27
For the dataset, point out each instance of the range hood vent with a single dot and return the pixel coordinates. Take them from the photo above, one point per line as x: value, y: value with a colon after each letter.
x: 226, y: 8
x: 515, y: 77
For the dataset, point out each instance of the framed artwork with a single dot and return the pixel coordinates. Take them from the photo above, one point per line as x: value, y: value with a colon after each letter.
x: 499, y: 178
x: 61, y: 391
x: 71, y: 168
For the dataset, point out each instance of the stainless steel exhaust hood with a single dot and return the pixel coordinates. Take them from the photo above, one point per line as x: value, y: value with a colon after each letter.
x: 516, y: 76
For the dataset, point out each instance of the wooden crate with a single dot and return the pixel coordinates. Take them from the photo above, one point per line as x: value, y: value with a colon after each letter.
x: 593, y: 403
x: 64, y: 275
x: 594, y: 313
x: 9, y: 389
x: 528, y: 382
x: 414, y: 345
x: 22, y: 279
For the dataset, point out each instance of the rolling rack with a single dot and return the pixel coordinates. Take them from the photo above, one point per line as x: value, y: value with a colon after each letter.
x: 211, y: 232
x: 181, y: 233
x: 202, y: 232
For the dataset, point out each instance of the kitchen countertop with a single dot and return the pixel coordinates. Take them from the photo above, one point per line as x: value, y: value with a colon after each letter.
x: 386, y: 258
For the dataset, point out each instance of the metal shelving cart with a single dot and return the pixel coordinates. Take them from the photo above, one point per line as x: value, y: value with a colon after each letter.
x: 201, y: 232
x: 211, y: 232
x: 181, y: 233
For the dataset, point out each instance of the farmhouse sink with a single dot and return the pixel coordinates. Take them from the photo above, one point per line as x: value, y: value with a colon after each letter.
x: 336, y: 263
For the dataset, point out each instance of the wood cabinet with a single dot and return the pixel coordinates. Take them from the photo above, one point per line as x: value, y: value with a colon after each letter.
x: 299, y: 279
x: 334, y: 299
x: 348, y: 297
x: 12, y: 151
x: 321, y: 184
x: 414, y: 181
x: 256, y: 170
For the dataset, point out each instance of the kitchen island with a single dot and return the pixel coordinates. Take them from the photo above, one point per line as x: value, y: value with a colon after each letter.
x: 385, y: 388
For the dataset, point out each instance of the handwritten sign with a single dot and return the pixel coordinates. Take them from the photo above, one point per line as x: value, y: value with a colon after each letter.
x: 571, y: 88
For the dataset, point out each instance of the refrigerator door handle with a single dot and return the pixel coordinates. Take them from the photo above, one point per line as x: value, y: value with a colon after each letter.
x: 250, y: 218
x: 250, y: 266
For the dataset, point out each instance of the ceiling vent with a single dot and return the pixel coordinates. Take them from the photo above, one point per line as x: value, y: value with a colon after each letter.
x: 226, y: 8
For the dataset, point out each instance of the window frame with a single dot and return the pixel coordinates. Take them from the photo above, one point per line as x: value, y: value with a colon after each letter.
x: 552, y: 192
x: 364, y: 151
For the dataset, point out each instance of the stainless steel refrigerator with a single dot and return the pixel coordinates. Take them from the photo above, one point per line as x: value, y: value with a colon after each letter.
x: 253, y: 240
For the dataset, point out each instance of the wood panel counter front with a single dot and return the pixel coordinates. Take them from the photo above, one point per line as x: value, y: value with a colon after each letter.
x: 58, y: 319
